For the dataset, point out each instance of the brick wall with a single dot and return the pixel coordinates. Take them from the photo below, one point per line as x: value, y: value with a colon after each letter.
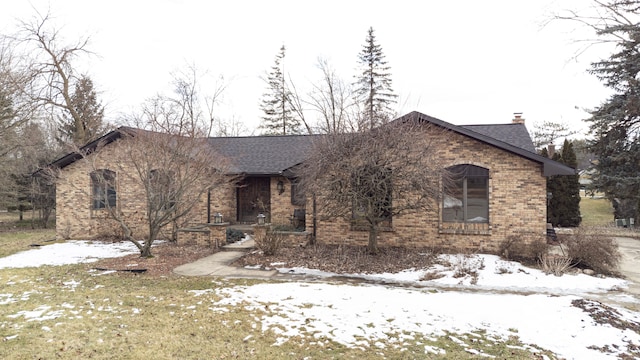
x: 517, y: 205
x: 75, y: 218
x: 281, y: 207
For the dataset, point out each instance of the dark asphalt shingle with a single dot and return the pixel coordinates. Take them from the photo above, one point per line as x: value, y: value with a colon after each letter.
x: 263, y: 155
x: 514, y: 134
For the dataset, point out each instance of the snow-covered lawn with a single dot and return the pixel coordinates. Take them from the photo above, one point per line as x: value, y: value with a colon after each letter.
x: 69, y: 252
x: 493, y: 299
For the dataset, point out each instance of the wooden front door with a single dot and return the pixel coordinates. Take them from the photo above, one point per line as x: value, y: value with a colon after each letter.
x: 254, y: 197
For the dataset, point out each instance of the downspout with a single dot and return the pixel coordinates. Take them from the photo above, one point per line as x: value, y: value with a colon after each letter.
x: 209, y: 207
x: 315, y: 223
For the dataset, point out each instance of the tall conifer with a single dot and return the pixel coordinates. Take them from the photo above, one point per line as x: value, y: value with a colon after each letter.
x: 279, y: 117
x: 373, y: 83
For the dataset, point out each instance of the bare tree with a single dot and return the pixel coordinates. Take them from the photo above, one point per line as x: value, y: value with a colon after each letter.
x: 171, y: 172
x: 548, y: 132
x: 368, y: 177
x: 163, y: 161
x: 297, y: 104
x: 332, y: 98
x: 230, y: 127
x: 16, y: 110
x: 49, y: 63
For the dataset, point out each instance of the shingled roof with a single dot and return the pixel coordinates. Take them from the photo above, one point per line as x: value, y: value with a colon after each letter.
x: 263, y: 155
x: 514, y: 134
x: 500, y: 137
x: 271, y: 155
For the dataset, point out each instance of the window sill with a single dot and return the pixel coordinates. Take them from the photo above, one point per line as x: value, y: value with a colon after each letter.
x: 461, y: 228
x: 366, y: 228
x: 100, y: 213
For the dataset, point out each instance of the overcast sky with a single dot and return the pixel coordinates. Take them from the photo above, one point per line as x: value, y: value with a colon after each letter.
x: 465, y: 62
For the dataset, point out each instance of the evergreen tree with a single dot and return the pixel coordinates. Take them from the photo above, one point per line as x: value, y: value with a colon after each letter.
x: 373, y: 84
x: 615, y: 124
x: 86, y: 123
x: 564, y: 206
x: 571, y: 192
x: 279, y: 117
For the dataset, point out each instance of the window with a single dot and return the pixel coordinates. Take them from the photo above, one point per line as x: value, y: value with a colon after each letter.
x: 298, y: 197
x: 466, y: 197
x: 162, y: 193
x: 103, y: 184
x: 372, y: 190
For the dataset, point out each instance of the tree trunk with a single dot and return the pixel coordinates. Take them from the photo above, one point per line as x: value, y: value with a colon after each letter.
x: 145, y: 251
x: 373, y: 239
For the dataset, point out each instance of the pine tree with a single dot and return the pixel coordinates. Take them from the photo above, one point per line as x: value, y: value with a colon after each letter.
x: 564, y: 205
x: 279, y: 117
x: 615, y: 124
x: 373, y: 84
x: 571, y: 196
x: 86, y: 123
x: 554, y: 189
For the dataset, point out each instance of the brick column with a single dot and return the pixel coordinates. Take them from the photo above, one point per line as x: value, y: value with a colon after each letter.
x: 218, y: 235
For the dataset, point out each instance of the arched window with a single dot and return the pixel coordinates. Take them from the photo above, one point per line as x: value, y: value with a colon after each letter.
x: 466, y: 195
x: 103, y: 185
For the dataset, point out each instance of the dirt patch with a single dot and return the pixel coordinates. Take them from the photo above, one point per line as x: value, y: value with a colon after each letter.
x: 343, y: 259
x: 166, y: 257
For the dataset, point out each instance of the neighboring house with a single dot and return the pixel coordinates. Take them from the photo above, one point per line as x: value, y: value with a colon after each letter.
x: 502, y: 192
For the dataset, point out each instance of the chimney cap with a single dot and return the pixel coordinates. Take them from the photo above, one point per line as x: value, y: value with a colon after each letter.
x: 517, y: 118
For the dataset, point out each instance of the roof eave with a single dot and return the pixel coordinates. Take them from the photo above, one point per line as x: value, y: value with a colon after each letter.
x: 550, y: 167
x: 72, y: 157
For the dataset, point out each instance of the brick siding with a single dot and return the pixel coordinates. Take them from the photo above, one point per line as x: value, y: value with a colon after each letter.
x: 517, y: 205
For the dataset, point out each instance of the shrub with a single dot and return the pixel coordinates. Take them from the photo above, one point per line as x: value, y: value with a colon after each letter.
x: 270, y: 243
x: 234, y: 235
x: 285, y: 227
x: 523, y: 247
x: 591, y: 250
x: 555, y: 264
x: 468, y: 265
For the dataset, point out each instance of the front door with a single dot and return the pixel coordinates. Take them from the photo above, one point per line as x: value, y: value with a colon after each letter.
x: 254, y: 197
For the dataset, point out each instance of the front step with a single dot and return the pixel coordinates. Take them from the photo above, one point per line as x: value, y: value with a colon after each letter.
x: 244, y: 245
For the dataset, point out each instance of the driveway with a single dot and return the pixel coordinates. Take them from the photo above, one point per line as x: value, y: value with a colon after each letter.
x: 630, y: 262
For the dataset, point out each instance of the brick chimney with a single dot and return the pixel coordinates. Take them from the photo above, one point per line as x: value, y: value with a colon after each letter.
x: 517, y: 118
x: 551, y: 149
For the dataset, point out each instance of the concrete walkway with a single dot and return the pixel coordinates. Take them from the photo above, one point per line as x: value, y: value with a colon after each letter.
x: 630, y: 262
x: 218, y: 264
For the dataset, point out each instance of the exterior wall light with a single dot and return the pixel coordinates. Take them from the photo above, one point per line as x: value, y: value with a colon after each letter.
x: 280, y: 187
x: 217, y: 218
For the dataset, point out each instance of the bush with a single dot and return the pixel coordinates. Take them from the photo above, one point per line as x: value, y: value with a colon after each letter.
x: 591, y: 250
x: 554, y: 264
x: 525, y: 247
x: 286, y: 227
x: 270, y: 243
x: 234, y: 235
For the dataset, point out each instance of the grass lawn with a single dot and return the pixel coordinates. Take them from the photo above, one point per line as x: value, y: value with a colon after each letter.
x: 72, y: 311
x: 596, y: 212
x: 12, y: 242
x: 10, y: 220
x: 69, y: 312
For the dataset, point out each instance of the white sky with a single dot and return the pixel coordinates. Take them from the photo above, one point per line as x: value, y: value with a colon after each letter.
x: 464, y: 62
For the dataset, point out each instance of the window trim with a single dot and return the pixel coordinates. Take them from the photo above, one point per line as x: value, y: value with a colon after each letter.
x: 104, y: 194
x: 464, y: 176
x: 162, y: 185
x: 358, y: 223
